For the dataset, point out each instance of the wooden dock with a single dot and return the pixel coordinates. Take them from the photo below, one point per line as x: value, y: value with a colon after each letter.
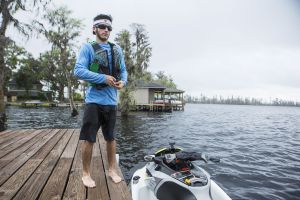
x: 46, y: 164
x: 161, y: 107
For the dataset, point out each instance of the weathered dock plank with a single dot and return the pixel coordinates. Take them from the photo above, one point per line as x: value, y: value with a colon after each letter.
x: 23, y: 149
x: 46, y: 164
x: 75, y: 189
x: 12, y: 136
x: 116, y: 191
x: 13, y: 144
x: 5, y: 132
x: 98, y: 174
x: 56, y: 184
x: 9, y: 189
x: 33, y: 186
x: 7, y: 142
x: 12, y: 167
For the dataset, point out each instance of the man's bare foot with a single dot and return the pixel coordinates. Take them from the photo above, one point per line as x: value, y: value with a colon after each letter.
x: 114, y: 176
x: 88, y: 182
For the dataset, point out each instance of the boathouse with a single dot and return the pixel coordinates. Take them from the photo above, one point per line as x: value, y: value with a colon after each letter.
x: 155, y: 97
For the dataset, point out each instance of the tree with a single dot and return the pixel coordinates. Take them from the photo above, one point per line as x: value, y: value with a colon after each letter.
x: 61, y: 33
x: 123, y: 39
x: 142, y: 50
x: 7, y: 9
x: 148, y: 77
x: 29, y: 73
x: 24, y: 79
x: 137, y: 56
x: 52, y: 72
x: 165, y: 80
x: 21, y: 66
x: 13, y: 56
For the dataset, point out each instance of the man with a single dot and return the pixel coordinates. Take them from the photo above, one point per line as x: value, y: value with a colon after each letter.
x: 102, y: 65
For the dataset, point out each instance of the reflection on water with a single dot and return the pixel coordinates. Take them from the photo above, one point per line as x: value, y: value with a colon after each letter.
x: 259, y: 146
x: 138, y: 135
x: 57, y: 117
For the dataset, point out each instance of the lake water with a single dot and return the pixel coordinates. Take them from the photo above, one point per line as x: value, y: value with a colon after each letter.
x: 259, y: 146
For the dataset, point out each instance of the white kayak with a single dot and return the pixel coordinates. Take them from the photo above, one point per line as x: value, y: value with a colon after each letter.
x: 171, y: 175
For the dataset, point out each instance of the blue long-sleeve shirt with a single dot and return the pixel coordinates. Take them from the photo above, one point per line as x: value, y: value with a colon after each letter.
x: 107, y: 95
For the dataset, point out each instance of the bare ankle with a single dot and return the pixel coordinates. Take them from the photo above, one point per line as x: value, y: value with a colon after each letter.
x: 112, y: 169
x: 85, y: 174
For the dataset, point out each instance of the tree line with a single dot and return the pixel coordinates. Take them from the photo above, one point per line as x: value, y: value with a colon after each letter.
x: 238, y: 101
x: 54, y: 67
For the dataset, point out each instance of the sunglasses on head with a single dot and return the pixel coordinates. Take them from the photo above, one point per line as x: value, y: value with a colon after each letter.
x: 103, y: 26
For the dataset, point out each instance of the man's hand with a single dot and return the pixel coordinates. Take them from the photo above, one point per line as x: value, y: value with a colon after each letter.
x: 119, y: 84
x: 110, y: 80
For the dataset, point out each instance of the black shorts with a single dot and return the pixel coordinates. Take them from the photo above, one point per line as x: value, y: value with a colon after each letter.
x: 95, y: 116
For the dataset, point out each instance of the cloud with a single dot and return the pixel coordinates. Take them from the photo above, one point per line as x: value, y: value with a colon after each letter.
x: 225, y: 46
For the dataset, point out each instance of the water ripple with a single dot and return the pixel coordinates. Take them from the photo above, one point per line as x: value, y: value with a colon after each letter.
x: 259, y: 145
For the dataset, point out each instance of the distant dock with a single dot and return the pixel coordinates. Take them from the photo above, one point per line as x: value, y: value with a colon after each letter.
x: 159, y: 107
x: 35, y: 104
x: 46, y: 164
x: 32, y: 103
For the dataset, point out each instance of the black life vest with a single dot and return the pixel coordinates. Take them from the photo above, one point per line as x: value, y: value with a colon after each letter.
x: 100, y: 64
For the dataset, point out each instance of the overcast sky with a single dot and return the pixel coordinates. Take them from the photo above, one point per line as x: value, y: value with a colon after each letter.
x: 248, y: 48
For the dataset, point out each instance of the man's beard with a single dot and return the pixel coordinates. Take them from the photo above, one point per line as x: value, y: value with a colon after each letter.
x: 101, y: 37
